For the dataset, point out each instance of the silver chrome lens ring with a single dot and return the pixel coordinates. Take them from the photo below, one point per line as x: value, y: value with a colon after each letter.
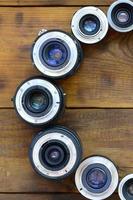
x: 109, y: 15
x: 89, y: 39
x: 122, y: 183
x: 57, y: 98
x: 74, y: 57
x: 67, y: 138
x: 96, y: 160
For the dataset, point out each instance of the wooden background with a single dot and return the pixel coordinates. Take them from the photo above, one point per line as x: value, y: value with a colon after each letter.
x: 99, y: 97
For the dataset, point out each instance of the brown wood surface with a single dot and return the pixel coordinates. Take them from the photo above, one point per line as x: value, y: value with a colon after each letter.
x: 106, y: 132
x: 46, y: 197
x: 54, y: 2
x: 104, y: 79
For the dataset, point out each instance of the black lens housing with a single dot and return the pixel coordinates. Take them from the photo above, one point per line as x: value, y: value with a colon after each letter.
x: 125, y: 189
x: 63, y: 41
x: 30, y: 111
x: 44, y: 149
x: 122, y: 7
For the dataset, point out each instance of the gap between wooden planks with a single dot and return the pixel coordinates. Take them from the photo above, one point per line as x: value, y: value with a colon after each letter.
x: 53, y: 2
x: 47, y: 197
x: 102, y: 132
x: 104, y: 79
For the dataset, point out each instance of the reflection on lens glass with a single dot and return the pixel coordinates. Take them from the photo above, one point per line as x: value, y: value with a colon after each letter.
x: 38, y: 100
x: 96, y: 178
x: 89, y: 25
x: 130, y: 189
x: 54, y: 155
x: 55, y: 54
x: 123, y: 16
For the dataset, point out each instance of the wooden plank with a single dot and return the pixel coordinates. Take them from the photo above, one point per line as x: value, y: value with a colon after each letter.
x: 104, y: 79
x: 47, y: 197
x: 106, y: 132
x: 53, y: 2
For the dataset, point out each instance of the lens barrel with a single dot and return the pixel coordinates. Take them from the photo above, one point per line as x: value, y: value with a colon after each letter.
x: 89, y: 25
x: 126, y: 188
x: 56, y: 54
x: 55, y: 153
x: 120, y: 15
x: 96, y: 178
x: 38, y: 101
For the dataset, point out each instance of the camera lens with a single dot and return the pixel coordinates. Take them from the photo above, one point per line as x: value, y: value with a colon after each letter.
x: 96, y: 178
x: 89, y: 25
x: 123, y: 16
x: 55, y: 153
x: 38, y: 101
x: 120, y: 15
x: 126, y: 188
x: 56, y: 54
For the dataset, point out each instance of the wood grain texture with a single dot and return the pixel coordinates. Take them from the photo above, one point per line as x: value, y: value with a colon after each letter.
x: 54, y: 2
x: 106, y: 132
x: 104, y: 79
x: 47, y: 197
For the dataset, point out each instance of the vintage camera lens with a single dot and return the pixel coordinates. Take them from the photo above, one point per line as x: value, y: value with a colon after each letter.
x: 96, y: 178
x: 126, y: 188
x: 89, y: 25
x: 38, y: 101
x: 120, y: 15
x: 56, y: 54
x: 55, y: 153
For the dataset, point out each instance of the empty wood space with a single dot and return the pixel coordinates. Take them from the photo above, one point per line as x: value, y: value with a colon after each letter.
x: 54, y: 2
x: 99, y: 102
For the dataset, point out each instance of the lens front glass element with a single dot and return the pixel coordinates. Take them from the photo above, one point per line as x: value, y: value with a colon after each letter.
x: 96, y: 178
x: 55, y: 54
x: 128, y: 190
x: 122, y: 15
x: 54, y: 155
x: 89, y: 24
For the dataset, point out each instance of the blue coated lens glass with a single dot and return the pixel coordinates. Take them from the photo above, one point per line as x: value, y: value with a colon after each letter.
x: 123, y: 16
x: 96, y: 178
x: 55, y: 54
x: 89, y: 25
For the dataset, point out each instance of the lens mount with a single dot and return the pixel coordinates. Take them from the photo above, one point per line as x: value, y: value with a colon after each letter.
x: 126, y: 188
x: 89, y: 25
x: 55, y: 153
x: 56, y: 54
x: 120, y: 15
x: 38, y: 101
x: 96, y: 178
